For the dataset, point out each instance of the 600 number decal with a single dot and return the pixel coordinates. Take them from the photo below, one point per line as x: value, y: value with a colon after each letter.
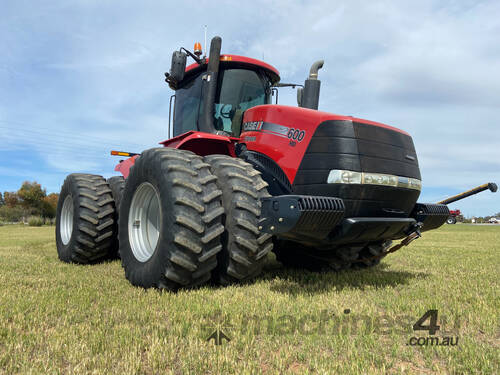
x: 296, y: 134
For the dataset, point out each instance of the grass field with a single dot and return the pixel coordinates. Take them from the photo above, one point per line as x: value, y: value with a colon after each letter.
x: 62, y: 318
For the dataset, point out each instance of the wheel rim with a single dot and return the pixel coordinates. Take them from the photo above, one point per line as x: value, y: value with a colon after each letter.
x: 144, y: 221
x: 66, y: 224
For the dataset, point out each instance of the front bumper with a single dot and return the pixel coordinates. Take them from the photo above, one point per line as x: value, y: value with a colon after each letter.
x: 321, y: 221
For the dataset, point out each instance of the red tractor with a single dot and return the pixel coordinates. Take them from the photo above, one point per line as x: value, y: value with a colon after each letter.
x: 240, y: 177
x: 452, y: 219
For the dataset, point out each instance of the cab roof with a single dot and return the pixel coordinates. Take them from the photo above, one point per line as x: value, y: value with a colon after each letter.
x: 228, y: 61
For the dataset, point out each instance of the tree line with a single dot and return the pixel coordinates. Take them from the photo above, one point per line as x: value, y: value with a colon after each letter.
x: 31, y: 200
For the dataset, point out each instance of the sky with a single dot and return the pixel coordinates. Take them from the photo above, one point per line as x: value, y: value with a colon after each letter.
x: 80, y: 78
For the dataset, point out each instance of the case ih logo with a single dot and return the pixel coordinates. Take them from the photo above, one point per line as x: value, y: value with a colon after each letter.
x: 252, y: 126
x: 275, y: 129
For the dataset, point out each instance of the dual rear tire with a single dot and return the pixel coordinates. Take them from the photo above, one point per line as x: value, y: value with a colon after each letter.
x: 180, y: 220
x: 185, y: 220
x: 85, y: 225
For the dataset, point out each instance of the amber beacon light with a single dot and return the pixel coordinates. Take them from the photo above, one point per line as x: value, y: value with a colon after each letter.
x: 197, y: 49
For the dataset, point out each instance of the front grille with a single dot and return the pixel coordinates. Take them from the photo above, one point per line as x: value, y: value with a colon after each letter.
x: 384, y: 150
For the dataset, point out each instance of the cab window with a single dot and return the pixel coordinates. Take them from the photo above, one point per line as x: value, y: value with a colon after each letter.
x: 239, y: 90
x: 187, y: 106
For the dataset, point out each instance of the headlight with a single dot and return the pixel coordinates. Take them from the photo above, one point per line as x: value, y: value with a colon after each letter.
x: 339, y: 176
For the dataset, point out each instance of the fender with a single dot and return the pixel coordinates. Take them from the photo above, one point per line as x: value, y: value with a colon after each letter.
x: 203, y: 143
x: 198, y: 142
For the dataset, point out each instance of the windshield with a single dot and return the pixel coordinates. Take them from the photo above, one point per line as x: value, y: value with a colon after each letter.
x: 240, y: 90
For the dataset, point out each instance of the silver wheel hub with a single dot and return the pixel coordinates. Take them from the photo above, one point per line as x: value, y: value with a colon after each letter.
x: 66, y: 220
x: 144, y: 220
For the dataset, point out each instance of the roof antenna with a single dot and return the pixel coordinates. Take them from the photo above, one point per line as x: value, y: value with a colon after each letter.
x: 205, y: 47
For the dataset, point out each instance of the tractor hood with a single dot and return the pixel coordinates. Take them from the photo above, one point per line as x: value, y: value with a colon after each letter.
x: 324, y: 154
x: 292, y: 129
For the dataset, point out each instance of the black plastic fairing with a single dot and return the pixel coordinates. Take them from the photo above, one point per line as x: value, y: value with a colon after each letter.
x: 271, y: 172
x: 321, y: 222
x: 431, y: 215
x: 299, y: 217
x: 359, y: 147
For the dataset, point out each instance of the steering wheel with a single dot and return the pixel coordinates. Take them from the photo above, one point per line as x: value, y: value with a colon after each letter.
x: 226, y: 114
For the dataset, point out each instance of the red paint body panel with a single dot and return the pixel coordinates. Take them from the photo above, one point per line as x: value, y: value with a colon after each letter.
x: 203, y: 143
x: 124, y: 166
x: 228, y: 61
x: 455, y: 212
x: 240, y: 59
x: 278, y: 148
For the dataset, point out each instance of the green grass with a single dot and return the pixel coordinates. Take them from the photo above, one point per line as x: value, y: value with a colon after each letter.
x: 62, y: 318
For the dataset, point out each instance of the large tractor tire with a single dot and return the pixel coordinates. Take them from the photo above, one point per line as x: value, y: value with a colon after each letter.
x: 244, y: 247
x: 116, y: 184
x: 451, y: 220
x: 295, y: 255
x: 84, y: 219
x: 170, y: 220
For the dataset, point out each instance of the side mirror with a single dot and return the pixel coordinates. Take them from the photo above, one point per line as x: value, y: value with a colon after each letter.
x: 300, y: 91
x: 178, y: 67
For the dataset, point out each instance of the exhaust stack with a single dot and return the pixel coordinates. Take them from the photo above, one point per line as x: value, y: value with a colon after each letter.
x: 209, y: 86
x: 310, y: 94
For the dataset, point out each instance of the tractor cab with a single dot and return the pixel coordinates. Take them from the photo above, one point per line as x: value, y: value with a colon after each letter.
x: 212, y: 94
x: 239, y: 88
